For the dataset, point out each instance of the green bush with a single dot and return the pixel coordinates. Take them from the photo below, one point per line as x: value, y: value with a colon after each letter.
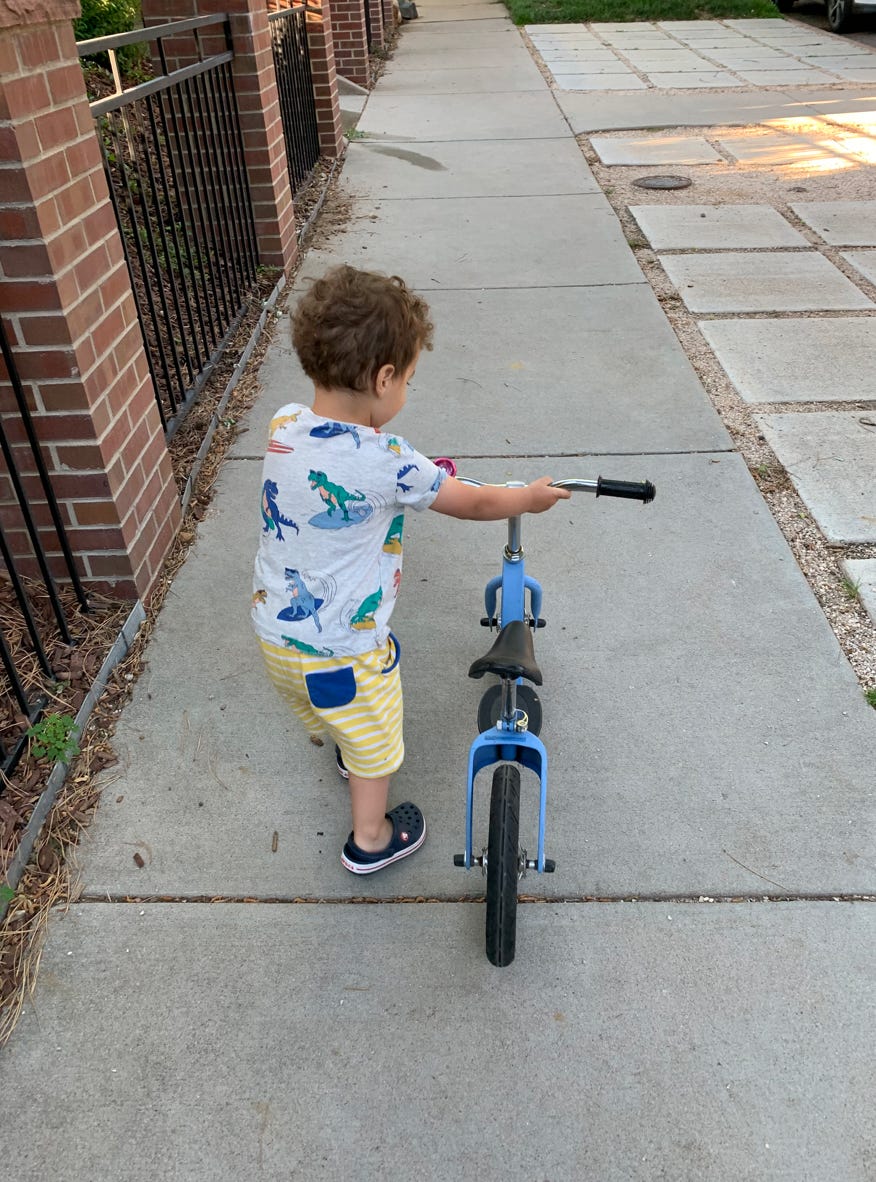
x: 102, y: 18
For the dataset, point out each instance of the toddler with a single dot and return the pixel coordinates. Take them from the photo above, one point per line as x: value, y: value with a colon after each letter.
x: 335, y: 488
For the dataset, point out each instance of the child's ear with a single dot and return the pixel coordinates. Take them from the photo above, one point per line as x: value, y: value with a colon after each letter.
x: 384, y: 376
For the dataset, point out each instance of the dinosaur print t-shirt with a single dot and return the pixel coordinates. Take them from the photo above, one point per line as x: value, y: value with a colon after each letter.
x: 329, y: 562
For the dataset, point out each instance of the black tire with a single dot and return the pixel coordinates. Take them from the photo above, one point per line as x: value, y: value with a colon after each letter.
x: 503, y: 865
x: 491, y: 707
x: 839, y: 15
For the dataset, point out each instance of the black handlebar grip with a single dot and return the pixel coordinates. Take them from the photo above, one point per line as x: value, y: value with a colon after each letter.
x: 642, y: 490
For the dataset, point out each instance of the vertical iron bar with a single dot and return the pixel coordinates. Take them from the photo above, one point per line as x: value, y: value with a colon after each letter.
x: 172, y: 252
x: 152, y: 346
x: 209, y: 237
x: 249, y: 243
x: 222, y: 152
x: 43, y: 472
x: 149, y: 217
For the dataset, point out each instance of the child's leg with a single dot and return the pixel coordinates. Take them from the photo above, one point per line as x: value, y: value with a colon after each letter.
x: 368, y: 799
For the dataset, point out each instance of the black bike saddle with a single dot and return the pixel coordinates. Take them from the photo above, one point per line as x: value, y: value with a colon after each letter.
x: 511, y: 656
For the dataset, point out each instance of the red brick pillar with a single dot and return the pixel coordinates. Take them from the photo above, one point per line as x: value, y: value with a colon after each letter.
x: 255, y: 86
x: 66, y: 301
x: 351, y: 46
x: 320, y: 44
x: 388, y: 20
x: 375, y: 9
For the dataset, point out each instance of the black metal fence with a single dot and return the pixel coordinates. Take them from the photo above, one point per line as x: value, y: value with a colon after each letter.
x: 27, y: 635
x: 174, y: 161
x: 295, y: 86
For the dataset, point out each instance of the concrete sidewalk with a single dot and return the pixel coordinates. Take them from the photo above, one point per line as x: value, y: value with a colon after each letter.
x: 710, y: 1017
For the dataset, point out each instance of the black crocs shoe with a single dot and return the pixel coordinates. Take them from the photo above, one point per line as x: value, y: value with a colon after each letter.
x: 408, y: 834
x: 342, y: 767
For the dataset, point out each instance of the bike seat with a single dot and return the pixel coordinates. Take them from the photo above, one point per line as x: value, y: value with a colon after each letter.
x: 512, y: 655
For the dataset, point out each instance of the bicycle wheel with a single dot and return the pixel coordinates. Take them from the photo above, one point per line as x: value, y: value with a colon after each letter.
x: 503, y: 865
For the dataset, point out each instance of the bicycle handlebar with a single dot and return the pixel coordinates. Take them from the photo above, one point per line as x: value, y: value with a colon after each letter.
x: 642, y: 490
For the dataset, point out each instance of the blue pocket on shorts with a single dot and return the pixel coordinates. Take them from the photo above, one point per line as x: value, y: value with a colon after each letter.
x: 334, y: 688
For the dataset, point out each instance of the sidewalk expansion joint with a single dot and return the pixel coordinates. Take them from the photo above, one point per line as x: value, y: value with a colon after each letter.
x: 370, y: 900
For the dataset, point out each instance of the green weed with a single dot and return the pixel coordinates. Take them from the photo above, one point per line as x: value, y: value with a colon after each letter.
x: 53, y: 738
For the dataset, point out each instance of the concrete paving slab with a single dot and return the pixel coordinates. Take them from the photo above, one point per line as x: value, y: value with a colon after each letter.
x: 862, y: 573
x: 854, y: 73
x: 841, y: 223
x: 797, y: 360
x: 677, y: 58
x: 426, y: 58
x: 254, y: 1059
x: 564, y: 69
x: 459, y: 117
x: 460, y: 36
x: 506, y: 168
x: 471, y: 12
x: 711, y: 227
x: 693, y: 81
x: 617, y: 378
x: 784, y: 77
x: 614, y: 81
x: 801, y: 151
x: 519, y: 77
x: 863, y: 261
x: 831, y: 457
x: 493, y: 242
x: 563, y: 53
x: 655, y: 149
x: 751, y: 52
x: 727, y: 745
x: 776, y: 281
x: 573, y: 28
x: 744, y: 106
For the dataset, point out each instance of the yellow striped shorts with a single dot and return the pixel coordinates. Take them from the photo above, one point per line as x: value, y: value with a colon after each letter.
x: 358, y: 700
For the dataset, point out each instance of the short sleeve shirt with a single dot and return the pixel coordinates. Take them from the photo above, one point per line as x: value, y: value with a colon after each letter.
x: 329, y: 562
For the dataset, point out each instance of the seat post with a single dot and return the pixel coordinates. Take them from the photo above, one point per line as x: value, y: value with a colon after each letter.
x: 508, y: 716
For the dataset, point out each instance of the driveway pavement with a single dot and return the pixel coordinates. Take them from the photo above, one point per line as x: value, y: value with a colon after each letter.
x: 693, y: 993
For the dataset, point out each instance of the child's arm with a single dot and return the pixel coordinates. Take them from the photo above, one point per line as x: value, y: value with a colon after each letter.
x: 491, y: 502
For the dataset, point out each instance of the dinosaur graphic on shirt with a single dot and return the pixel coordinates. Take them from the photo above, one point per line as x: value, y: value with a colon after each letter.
x: 400, y: 475
x: 307, y: 649
x: 303, y: 604
x: 331, y: 429
x: 282, y: 421
x: 392, y: 543
x: 363, y: 618
x: 271, y: 514
x: 334, y: 495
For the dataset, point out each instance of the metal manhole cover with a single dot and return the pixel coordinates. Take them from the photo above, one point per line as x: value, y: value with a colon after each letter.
x: 663, y: 182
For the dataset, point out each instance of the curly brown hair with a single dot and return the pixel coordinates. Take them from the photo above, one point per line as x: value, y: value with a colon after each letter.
x: 351, y: 323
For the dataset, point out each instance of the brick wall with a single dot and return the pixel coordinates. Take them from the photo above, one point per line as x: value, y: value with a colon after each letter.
x: 351, y: 48
x: 66, y: 302
x: 320, y: 44
x: 375, y: 9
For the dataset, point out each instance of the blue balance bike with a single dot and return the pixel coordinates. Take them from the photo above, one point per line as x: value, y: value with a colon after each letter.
x: 509, y: 721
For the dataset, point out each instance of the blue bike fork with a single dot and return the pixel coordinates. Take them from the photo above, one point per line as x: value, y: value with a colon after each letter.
x: 509, y: 745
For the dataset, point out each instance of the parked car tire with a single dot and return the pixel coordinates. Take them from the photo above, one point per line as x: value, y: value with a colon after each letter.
x: 839, y: 15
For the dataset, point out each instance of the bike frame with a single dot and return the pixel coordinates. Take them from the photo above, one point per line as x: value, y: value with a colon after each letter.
x: 508, y: 742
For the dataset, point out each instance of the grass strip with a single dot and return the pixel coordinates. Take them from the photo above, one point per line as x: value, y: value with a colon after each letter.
x: 539, y: 12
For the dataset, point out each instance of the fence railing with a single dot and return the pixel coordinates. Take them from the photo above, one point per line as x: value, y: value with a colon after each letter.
x: 173, y: 155
x: 295, y: 87
x: 27, y: 636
